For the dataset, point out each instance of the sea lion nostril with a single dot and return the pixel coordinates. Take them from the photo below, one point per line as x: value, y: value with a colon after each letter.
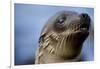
x: 84, y: 15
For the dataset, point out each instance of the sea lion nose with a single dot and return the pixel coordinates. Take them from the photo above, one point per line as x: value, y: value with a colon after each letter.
x: 85, y: 19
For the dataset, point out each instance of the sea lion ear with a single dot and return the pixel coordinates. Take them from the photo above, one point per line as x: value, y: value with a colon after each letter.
x: 43, y: 33
x: 41, y: 38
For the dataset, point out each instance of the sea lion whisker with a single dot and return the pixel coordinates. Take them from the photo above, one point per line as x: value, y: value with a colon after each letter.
x: 64, y: 42
x: 58, y: 44
x: 61, y: 42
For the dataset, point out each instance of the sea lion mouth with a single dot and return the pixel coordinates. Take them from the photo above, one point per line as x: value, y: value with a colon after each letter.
x: 82, y: 30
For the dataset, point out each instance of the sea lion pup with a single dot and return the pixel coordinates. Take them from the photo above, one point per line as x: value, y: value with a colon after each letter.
x: 62, y: 37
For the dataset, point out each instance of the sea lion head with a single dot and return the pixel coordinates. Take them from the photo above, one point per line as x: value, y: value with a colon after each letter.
x: 70, y: 30
x: 74, y: 25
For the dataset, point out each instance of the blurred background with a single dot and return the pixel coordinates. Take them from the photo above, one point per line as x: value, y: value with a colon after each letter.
x: 29, y: 21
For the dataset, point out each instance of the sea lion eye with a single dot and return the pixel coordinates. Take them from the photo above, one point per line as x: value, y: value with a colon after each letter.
x: 61, y: 20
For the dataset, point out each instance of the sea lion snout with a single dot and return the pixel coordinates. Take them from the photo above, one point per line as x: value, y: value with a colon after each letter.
x: 85, y: 20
